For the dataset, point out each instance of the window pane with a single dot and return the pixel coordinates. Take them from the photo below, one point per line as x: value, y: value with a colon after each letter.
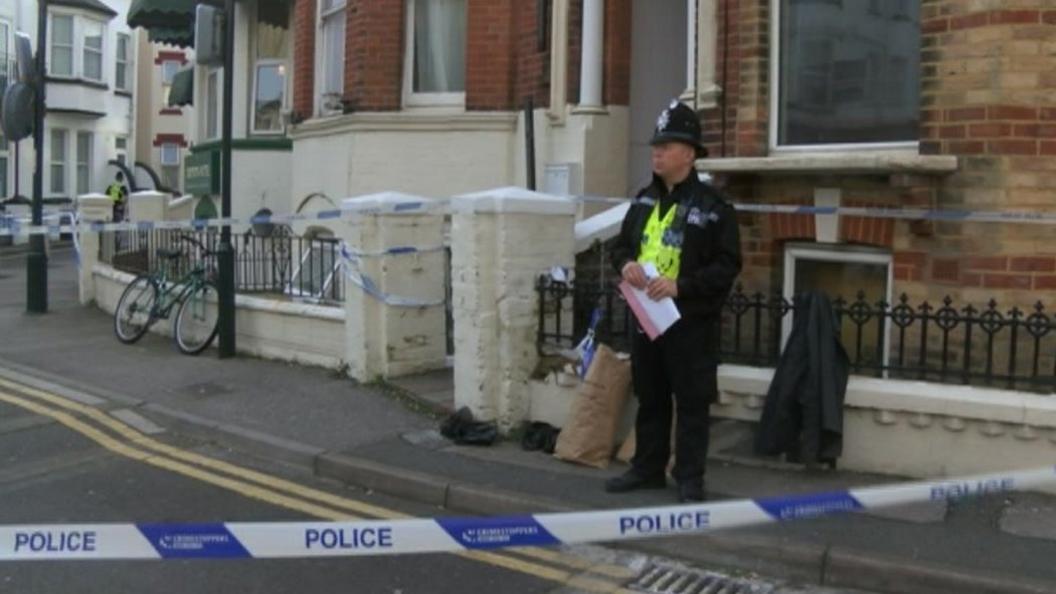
x: 93, y: 36
x: 439, y: 46
x: 170, y: 154
x: 120, y: 77
x: 58, y: 145
x: 93, y: 65
x: 271, y: 82
x: 212, y: 103
x: 84, y: 162
x: 168, y: 71
x: 849, y: 72
x: 3, y: 176
x: 62, y: 30
x: 58, y: 183
x: 62, y: 61
x: 334, y: 54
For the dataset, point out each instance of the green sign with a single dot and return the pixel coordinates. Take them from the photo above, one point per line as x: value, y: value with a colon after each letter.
x: 202, y: 173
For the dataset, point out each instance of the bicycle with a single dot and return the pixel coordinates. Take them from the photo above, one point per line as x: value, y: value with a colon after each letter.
x: 152, y: 297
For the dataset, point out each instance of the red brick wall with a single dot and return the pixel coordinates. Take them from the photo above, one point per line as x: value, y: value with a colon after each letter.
x: 490, y: 55
x: 374, y: 55
x: 745, y: 50
x: 304, y: 59
x: 617, y: 72
x: 533, y: 63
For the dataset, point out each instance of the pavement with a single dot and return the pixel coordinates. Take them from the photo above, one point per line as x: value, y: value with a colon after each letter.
x: 383, y: 438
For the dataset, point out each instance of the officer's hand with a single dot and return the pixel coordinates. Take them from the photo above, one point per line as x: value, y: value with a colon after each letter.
x: 633, y: 274
x: 661, y: 287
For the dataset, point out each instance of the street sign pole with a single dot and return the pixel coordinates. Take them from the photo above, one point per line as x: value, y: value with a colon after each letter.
x: 226, y: 256
x: 37, y: 258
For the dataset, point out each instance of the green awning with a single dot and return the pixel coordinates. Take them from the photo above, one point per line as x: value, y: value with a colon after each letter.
x: 172, y: 21
x: 167, y: 21
x: 182, y: 90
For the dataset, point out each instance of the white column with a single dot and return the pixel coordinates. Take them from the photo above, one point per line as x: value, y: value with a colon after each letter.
x: 91, y: 208
x: 593, y: 62
x: 502, y: 240
x: 383, y: 339
x: 707, y: 89
x: 558, y: 60
x: 691, y: 51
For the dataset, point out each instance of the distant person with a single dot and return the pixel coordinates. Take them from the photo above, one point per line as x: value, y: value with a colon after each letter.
x: 118, y: 194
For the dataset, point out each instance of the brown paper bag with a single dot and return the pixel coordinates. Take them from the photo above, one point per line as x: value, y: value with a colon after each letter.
x: 589, y: 435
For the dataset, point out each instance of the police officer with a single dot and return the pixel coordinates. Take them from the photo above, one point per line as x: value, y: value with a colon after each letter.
x: 119, y: 196
x: 686, y: 229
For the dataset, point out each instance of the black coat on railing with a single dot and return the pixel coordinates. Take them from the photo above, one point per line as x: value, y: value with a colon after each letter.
x: 803, y: 414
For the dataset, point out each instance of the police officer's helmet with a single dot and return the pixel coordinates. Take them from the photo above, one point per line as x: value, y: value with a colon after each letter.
x: 679, y: 123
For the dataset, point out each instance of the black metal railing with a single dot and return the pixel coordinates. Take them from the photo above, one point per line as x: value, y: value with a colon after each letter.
x: 1011, y: 348
x: 279, y: 263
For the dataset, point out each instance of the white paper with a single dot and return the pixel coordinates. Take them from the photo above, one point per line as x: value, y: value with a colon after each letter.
x: 655, y: 317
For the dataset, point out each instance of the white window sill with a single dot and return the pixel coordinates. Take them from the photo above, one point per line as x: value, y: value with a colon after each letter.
x: 411, y: 120
x: 835, y: 163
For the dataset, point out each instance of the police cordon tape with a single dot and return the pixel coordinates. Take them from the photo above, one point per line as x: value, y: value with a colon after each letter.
x: 275, y: 540
x: 14, y: 227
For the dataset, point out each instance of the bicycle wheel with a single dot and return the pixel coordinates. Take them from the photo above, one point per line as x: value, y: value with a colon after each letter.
x: 198, y: 319
x: 135, y: 310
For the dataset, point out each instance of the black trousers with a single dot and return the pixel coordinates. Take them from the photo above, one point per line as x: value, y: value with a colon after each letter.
x: 682, y: 363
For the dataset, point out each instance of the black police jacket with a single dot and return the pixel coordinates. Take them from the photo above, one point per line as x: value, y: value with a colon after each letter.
x: 711, y: 243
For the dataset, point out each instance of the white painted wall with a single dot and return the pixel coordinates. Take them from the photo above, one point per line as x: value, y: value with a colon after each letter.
x: 446, y: 154
x: 262, y: 180
x: 905, y: 428
x: 298, y: 333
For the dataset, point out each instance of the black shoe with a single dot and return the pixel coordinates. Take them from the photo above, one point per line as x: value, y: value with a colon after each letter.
x: 691, y: 491
x: 632, y: 481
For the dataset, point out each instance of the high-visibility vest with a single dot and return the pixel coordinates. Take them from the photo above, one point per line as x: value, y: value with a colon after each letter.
x: 661, y: 245
x: 114, y: 192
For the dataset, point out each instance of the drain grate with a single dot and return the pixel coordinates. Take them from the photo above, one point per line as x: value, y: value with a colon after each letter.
x: 672, y: 579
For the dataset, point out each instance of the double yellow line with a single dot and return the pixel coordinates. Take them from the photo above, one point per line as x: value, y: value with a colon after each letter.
x: 120, y: 438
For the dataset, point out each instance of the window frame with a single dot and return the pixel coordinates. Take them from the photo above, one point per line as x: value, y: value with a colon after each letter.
x: 121, y: 153
x: 906, y: 146
x: 86, y: 164
x: 253, y: 99
x: 321, y: 54
x: 123, y: 61
x: 74, y: 70
x: 161, y: 156
x: 212, y: 112
x: 7, y: 58
x: 166, y: 85
x: 410, y: 97
x: 842, y: 254
x: 82, y: 21
x: 64, y: 163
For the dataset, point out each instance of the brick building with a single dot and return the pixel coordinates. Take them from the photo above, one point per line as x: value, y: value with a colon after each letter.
x: 938, y: 104
x: 428, y: 96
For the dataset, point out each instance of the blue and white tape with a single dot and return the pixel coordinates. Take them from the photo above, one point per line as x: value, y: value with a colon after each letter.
x: 14, y: 227
x: 445, y: 535
x: 350, y: 263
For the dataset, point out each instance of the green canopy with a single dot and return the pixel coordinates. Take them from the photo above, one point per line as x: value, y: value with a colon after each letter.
x: 167, y: 21
x: 182, y: 90
x: 172, y: 21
